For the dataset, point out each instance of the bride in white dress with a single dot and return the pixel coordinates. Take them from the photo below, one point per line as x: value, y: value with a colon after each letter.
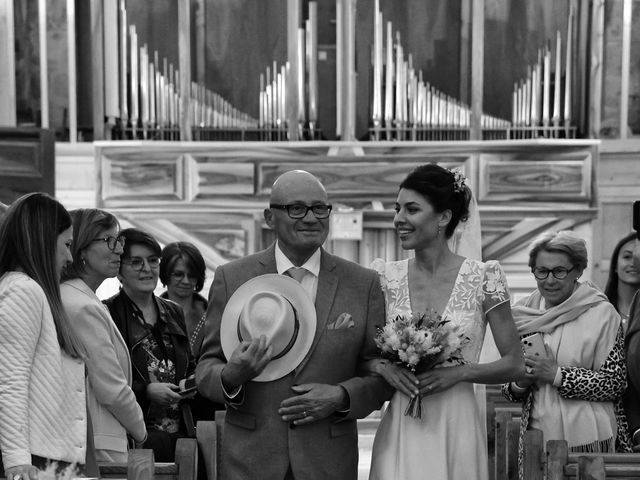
x: 448, y: 442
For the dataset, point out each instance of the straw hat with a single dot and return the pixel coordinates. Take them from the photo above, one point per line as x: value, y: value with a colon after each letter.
x: 279, y: 308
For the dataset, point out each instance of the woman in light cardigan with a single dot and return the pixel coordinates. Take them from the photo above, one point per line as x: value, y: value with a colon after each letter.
x: 42, y: 394
x: 573, y: 391
x: 112, y: 404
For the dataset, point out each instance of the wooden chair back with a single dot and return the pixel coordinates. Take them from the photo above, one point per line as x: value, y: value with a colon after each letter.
x: 557, y: 463
x: 209, y: 435
x: 141, y: 464
x: 506, y: 427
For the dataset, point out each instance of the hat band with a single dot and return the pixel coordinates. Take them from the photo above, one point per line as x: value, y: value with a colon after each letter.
x: 296, y: 329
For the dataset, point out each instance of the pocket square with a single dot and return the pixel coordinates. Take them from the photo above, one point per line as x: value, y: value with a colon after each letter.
x: 344, y: 320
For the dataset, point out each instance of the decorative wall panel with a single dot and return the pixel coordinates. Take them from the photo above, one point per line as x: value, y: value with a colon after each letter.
x: 215, y: 193
x: 507, y: 177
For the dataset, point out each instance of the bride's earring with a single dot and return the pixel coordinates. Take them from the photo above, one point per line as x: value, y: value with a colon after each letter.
x: 438, y: 232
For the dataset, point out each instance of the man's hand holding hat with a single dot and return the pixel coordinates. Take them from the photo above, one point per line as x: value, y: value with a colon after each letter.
x: 247, y: 361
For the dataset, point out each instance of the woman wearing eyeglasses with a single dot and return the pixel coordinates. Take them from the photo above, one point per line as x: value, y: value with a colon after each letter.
x: 113, y: 408
x: 182, y: 271
x: 155, y: 333
x: 571, y: 390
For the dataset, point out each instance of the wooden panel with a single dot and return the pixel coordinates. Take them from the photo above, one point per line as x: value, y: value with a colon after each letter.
x: 152, y: 180
x: 200, y: 190
x: 26, y: 162
x: 220, y: 236
x: 353, y: 178
x: 19, y: 158
x: 505, y: 177
x: 214, y: 179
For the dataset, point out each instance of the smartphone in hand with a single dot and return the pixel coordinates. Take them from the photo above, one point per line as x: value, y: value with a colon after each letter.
x: 534, y: 345
x: 188, y: 391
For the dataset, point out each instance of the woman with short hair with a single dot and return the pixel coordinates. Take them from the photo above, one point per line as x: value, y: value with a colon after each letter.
x: 154, y: 331
x: 571, y: 391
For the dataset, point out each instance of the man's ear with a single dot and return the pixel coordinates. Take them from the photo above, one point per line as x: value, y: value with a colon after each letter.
x: 268, y: 217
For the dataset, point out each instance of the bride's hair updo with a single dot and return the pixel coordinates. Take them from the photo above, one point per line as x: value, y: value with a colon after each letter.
x: 443, y: 189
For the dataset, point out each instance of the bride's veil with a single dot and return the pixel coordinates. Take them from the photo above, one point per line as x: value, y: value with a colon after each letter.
x: 467, y: 241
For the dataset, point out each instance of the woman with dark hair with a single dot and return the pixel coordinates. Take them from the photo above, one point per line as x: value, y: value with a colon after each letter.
x: 182, y: 272
x: 155, y: 333
x: 42, y: 393
x: 624, y: 278
x: 448, y: 442
x: 114, y: 411
x: 572, y: 387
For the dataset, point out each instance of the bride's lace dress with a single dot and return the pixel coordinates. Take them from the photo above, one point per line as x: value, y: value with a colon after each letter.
x: 449, y: 441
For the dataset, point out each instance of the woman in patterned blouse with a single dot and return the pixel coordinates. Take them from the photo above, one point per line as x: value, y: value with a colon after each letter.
x: 572, y: 390
x: 154, y: 331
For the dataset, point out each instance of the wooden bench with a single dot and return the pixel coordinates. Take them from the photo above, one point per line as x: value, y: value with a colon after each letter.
x: 557, y: 463
x: 141, y: 465
x: 499, y: 412
x: 562, y: 464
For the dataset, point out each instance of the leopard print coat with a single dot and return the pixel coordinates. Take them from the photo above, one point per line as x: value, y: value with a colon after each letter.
x: 605, y: 385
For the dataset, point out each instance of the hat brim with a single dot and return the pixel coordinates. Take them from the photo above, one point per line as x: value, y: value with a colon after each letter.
x: 301, y: 301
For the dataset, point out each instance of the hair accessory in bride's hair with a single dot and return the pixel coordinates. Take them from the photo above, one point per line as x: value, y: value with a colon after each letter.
x: 459, y: 180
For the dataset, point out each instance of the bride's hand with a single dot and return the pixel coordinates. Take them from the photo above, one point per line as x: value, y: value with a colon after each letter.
x: 437, y: 380
x: 398, y: 377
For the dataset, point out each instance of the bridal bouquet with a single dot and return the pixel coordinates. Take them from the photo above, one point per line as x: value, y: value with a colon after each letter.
x: 419, y: 343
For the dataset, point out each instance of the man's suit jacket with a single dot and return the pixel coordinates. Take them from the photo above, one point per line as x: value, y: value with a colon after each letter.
x: 257, y: 443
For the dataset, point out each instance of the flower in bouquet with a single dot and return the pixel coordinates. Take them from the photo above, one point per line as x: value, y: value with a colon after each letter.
x: 419, y: 342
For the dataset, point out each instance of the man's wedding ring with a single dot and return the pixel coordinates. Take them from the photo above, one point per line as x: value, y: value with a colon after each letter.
x: 17, y: 476
x: 529, y: 370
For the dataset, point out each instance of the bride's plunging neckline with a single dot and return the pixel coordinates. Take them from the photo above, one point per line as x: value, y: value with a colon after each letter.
x: 429, y: 307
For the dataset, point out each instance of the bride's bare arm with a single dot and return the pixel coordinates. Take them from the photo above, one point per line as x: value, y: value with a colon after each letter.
x: 509, y: 367
x: 398, y: 377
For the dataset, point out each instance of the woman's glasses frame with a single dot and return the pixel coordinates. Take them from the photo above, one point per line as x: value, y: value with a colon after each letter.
x: 137, y: 263
x: 111, y: 241
x: 559, y: 273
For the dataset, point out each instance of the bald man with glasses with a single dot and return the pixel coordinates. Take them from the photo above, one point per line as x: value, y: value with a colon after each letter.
x: 303, y: 425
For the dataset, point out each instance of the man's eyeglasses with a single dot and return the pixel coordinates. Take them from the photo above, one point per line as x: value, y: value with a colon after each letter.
x: 111, y: 241
x: 560, y: 273
x: 298, y: 210
x: 137, y: 263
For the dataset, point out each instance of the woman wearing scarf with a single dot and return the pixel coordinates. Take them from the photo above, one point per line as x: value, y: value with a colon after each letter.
x: 572, y: 392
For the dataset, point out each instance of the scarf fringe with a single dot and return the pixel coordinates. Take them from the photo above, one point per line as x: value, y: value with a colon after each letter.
x: 598, y: 446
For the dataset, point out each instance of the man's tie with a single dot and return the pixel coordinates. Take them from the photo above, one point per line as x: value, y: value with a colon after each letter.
x: 297, y: 273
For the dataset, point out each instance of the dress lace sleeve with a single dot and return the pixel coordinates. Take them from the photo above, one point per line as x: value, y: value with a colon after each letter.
x: 378, y: 265
x: 494, y: 286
